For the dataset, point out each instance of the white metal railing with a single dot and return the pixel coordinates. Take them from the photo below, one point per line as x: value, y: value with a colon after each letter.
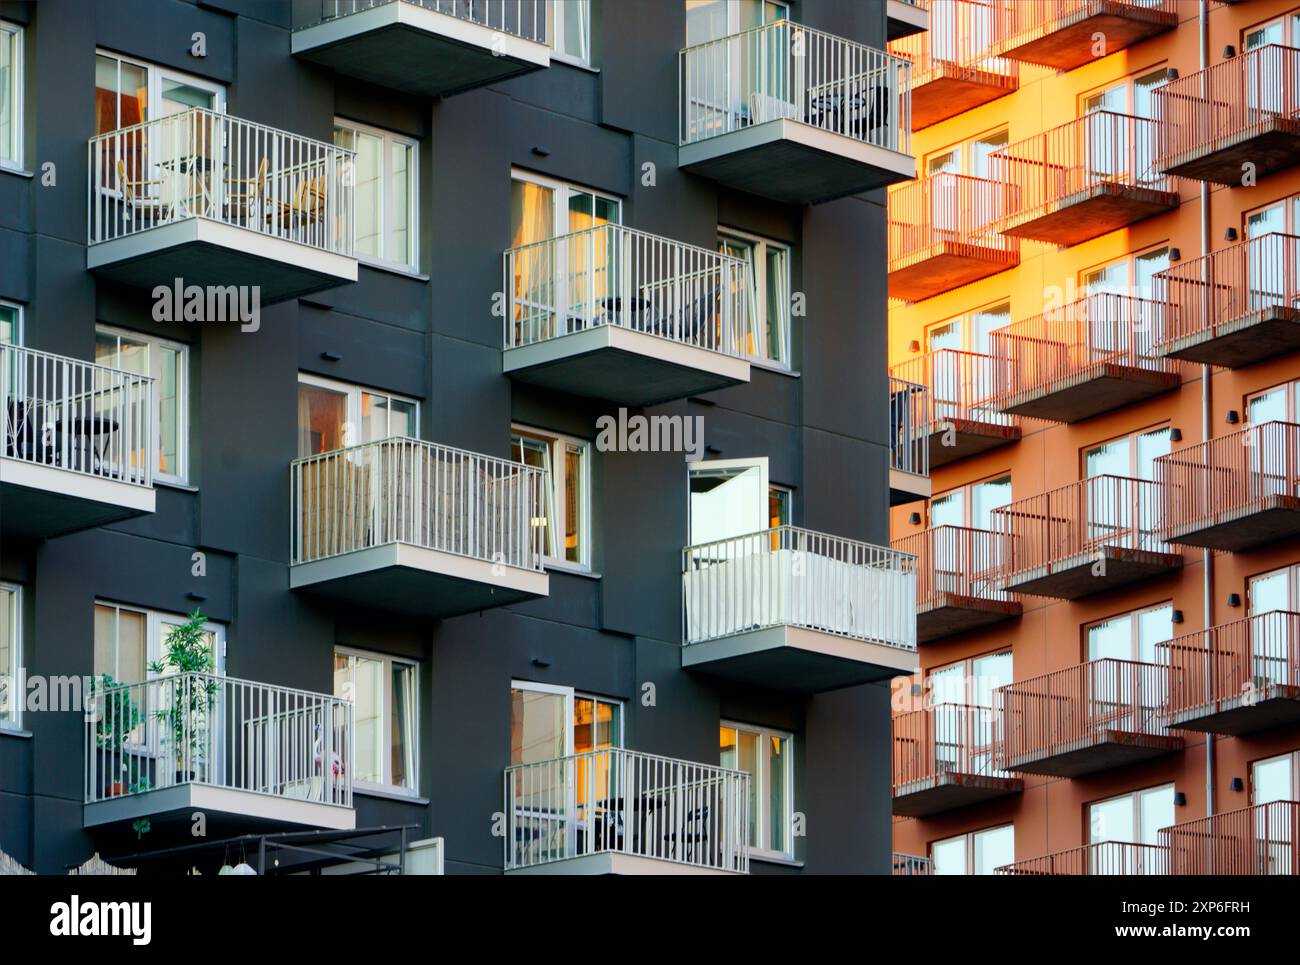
x: 910, y: 864
x: 787, y: 576
x: 529, y: 19
x: 788, y: 71
x: 202, y: 164
x: 910, y: 417
x: 194, y: 728
x: 625, y: 802
x: 612, y: 275
x: 415, y: 492
x: 77, y: 416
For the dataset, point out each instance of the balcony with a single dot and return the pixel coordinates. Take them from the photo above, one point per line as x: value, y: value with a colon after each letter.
x: 800, y: 611
x: 213, y: 201
x: 1259, y: 840
x: 944, y: 758
x: 252, y: 757
x: 909, y: 445
x: 1087, y: 537
x: 624, y: 812
x: 952, y: 71
x: 430, y: 47
x: 1082, y: 359
x: 906, y: 17
x: 1243, y: 110
x: 1082, y: 179
x: 794, y: 114
x: 77, y: 446
x: 1234, y: 307
x: 960, y: 419
x: 1086, y: 718
x: 1236, y: 678
x: 910, y: 864
x: 412, y: 527
x: 627, y: 316
x: 1103, y: 858
x: 1062, y: 33
x: 957, y: 572
x: 1235, y: 492
x: 942, y: 235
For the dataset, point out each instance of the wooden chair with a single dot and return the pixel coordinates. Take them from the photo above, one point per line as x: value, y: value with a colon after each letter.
x: 305, y: 206
x: 244, y: 196
x: 135, y: 195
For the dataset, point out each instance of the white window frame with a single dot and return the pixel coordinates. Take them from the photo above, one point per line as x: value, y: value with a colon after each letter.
x: 758, y: 307
x: 411, y: 263
x: 966, y: 495
x: 968, y: 840
x: 1131, y: 438
x: 10, y: 675
x: 14, y: 34
x: 733, y: 19
x: 556, y: 509
x: 18, y: 319
x: 155, y: 622
x: 1293, y: 757
x: 761, y: 848
x: 562, y: 12
x: 704, y: 466
x: 1134, y: 629
x: 564, y: 190
x: 1135, y: 800
x: 353, y: 423
x: 154, y: 77
x: 386, y: 717
x: 155, y: 345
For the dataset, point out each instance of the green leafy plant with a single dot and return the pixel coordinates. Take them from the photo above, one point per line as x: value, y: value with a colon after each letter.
x: 183, y: 716
x: 141, y: 827
x: 117, y: 717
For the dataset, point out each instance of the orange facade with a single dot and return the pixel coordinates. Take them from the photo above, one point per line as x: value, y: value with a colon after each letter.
x: 1094, y: 325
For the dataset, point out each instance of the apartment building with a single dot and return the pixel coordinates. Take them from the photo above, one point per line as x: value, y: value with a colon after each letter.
x: 1095, y: 277
x: 504, y: 383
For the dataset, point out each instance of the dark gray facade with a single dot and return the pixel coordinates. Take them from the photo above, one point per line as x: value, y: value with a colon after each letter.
x: 824, y: 428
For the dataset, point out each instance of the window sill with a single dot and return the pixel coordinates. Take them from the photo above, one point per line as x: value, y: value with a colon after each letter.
x: 393, y: 269
x: 774, y: 367
x: 15, y: 732
x: 182, y: 487
x: 391, y: 794
x: 571, y: 570
x: 16, y: 171
x: 570, y: 61
x: 769, y: 858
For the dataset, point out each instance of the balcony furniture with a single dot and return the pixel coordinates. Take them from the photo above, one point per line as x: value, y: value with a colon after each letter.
x: 246, y: 197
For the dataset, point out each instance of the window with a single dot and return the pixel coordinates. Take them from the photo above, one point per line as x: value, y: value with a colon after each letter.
x: 969, y: 333
x: 971, y: 505
x: 548, y: 721
x: 1132, y: 456
x: 385, y: 692
x: 168, y: 364
x: 779, y: 505
x: 1281, y: 403
x: 1275, y: 779
x: 567, y: 518
x: 334, y: 415
x: 728, y: 498
x: 970, y: 157
x: 572, y: 31
x: 1275, y: 590
x: 129, y: 639
x: 765, y: 756
x: 386, y: 186
x: 1131, y: 636
x: 1132, y: 818
x: 11, y: 324
x: 11, y: 96
x: 971, y: 681
x: 130, y: 92
x: 1284, y: 30
x: 769, y: 263
x: 11, y: 700
x: 711, y: 19
x: 977, y: 853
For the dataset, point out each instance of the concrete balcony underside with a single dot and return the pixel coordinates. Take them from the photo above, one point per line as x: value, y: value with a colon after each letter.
x: 948, y: 90
x: 1089, y: 213
x: 905, y: 19
x: 616, y: 863
x: 1068, y: 42
x: 1270, y: 705
x: 403, y: 46
x: 797, y: 659
x: 227, y: 810
x: 1081, y: 575
x: 1265, y: 520
x: 622, y: 365
x: 415, y: 580
x: 1245, y: 340
x: 39, y: 502
x: 795, y: 163
x: 204, y: 252
x: 1270, y: 144
x: 953, y: 439
x: 952, y: 613
x: 1107, y: 749
x: 947, y: 265
x: 951, y: 790
x: 907, y: 487
x: 1092, y: 391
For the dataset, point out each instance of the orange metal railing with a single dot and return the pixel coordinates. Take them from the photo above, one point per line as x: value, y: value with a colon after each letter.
x: 1206, y: 111
x: 1070, y: 344
x: 1102, y: 148
x: 1069, y: 709
x: 1229, y: 477
x: 956, y: 560
x: 1232, y: 664
x: 1102, y: 858
x: 1260, y: 840
x: 956, y: 45
x: 945, y: 210
x: 1219, y: 290
x: 961, y: 387
x: 946, y: 739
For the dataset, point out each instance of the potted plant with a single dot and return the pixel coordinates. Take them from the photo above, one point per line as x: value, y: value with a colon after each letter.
x: 117, y: 717
x: 185, y: 714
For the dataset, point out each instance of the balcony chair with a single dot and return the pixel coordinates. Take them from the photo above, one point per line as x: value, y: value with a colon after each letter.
x: 832, y: 109
x: 694, y: 833
x: 245, y: 197
x: 136, y: 196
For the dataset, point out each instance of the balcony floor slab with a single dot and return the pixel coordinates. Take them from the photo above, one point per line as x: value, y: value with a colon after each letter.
x: 1243, y: 341
x: 795, y: 163
x: 1265, y: 520
x: 1072, y: 578
x: 1270, y: 144
x: 905, y: 19
x: 40, y: 502
x: 954, y: 439
x: 1274, y: 705
x: 949, y: 791
x: 947, y: 265
x: 615, y: 863
x: 953, y: 613
x: 907, y: 487
x: 1108, y: 749
x: 1065, y: 43
x: 1090, y: 213
x: 243, y: 811
x: 401, y: 578
x: 1100, y: 388
x: 798, y: 660
x: 623, y: 365
x: 948, y: 90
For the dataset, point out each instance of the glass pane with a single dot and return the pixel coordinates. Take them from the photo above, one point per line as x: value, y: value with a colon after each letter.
x: 727, y: 502
x: 10, y: 92
x: 986, y: 497
x: 608, y: 725
x: 948, y: 684
x: 8, y: 650
x: 536, y: 452
x: 748, y: 758
x: 778, y: 303
x: 322, y: 420
x: 399, y: 244
x: 1112, y: 640
x: 1154, y: 626
x: 1267, y: 406
x: 179, y: 96
x: 949, y: 857
x: 1271, y: 780
x: 705, y: 20
x: 1111, y: 820
x: 1270, y: 592
x: 105, y: 640
x: 1157, y: 811
x: 947, y: 335
x: 1151, y: 446
x: 361, y: 680
x: 121, y: 95
x: 8, y: 325
x: 1109, y: 459
x: 777, y: 794
x: 574, y: 479
x: 403, y: 726
x: 991, y: 672
x: 169, y: 411
x: 947, y: 510
x: 538, y: 728
x: 368, y: 188
x: 778, y: 506
x: 993, y: 848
